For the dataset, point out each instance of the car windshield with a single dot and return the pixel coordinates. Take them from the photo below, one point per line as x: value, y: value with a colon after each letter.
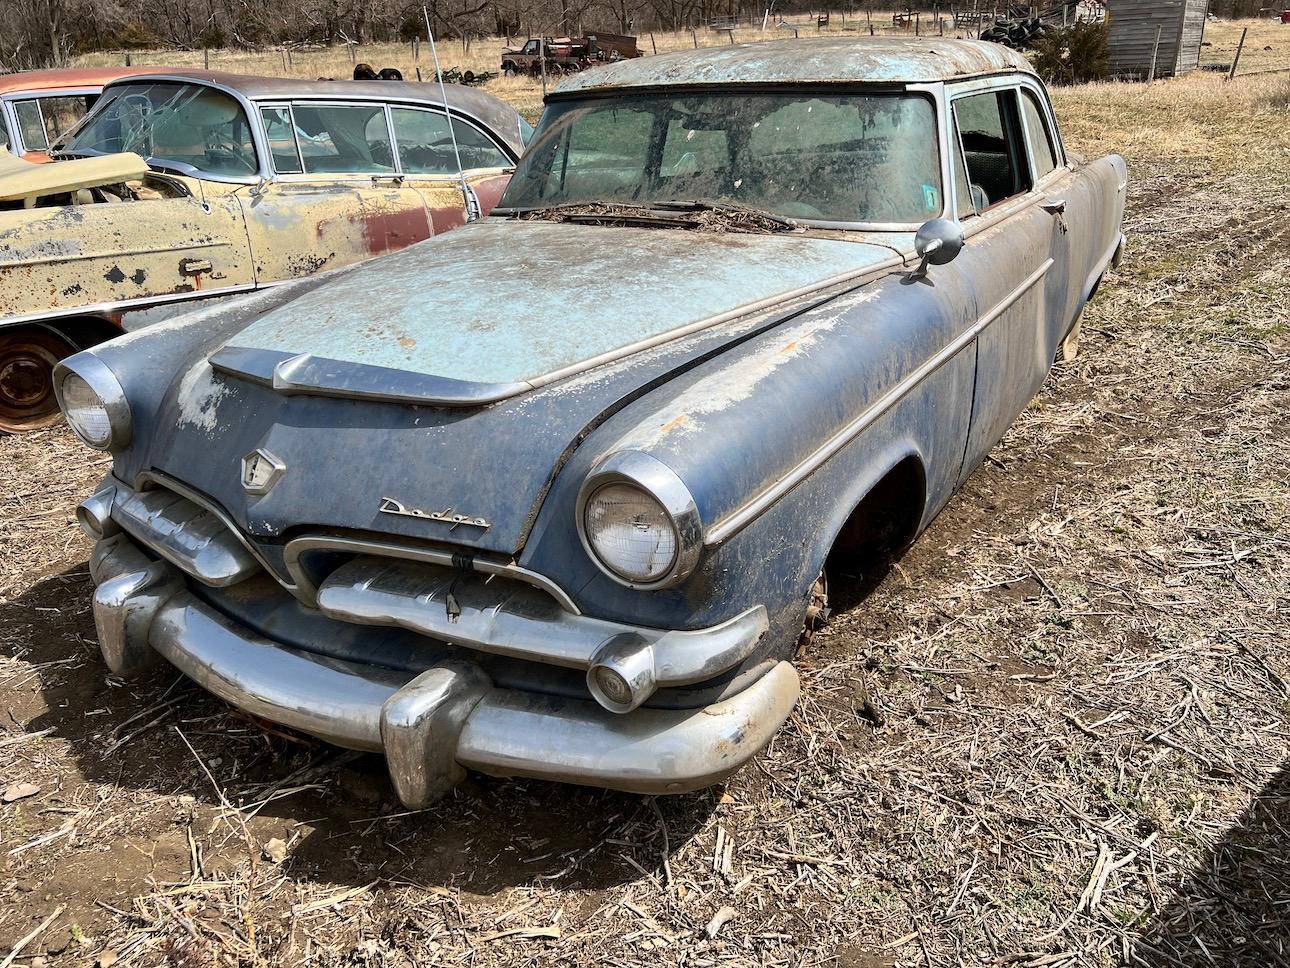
x: 828, y: 157
x: 185, y: 124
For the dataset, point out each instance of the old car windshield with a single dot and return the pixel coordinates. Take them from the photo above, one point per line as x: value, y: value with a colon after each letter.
x: 814, y: 156
x: 185, y: 124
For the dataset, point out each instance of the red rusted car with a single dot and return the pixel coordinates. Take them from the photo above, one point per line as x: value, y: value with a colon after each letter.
x: 38, y: 107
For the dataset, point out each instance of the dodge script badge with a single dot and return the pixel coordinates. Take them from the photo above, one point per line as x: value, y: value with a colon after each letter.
x: 447, y: 515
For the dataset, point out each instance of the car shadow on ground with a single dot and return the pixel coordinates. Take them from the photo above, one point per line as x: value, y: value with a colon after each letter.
x: 1234, y: 910
x: 161, y: 735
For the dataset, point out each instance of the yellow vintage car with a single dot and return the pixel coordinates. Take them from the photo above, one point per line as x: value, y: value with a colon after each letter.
x: 189, y: 185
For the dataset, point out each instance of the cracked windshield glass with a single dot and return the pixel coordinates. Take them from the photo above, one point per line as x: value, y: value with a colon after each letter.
x: 179, y: 123
x: 816, y: 157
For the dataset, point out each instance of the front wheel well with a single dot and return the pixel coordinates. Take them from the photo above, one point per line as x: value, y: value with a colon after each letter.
x: 884, y: 521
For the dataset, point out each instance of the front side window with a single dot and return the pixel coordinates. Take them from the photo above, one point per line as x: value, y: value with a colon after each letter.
x: 343, y: 138
x: 280, y: 132
x: 164, y: 121
x: 1041, y: 145
x: 425, y: 144
x: 992, y: 146
x: 822, y: 156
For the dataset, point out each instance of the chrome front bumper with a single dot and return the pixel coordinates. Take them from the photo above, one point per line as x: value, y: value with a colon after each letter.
x: 431, y: 725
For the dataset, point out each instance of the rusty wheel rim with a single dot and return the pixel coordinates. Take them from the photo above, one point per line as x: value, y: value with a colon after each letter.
x: 27, y: 359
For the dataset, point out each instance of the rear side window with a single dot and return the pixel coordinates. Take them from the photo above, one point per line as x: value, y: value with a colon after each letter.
x: 992, y: 146
x: 343, y: 138
x: 426, y: 145
x: 1041, y: 142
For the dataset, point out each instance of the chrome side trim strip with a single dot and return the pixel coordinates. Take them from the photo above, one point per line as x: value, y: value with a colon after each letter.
x: 143, y: 302
x: 741, y: 517
x: 153, y: 250
x: 308, y: 592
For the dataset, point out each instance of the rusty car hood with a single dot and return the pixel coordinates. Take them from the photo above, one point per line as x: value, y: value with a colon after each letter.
x: 506, y: 302
x: 502, y: 307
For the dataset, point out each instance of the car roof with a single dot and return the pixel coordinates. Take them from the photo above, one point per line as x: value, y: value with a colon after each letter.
x: 492, y: 112
x: 867, y: 60
x: 63, y: 79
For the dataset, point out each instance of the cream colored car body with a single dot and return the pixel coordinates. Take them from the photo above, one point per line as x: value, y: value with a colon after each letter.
x: 131, y: 236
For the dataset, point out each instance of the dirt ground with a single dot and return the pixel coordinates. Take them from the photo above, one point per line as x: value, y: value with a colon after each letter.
x: 1055, y: 732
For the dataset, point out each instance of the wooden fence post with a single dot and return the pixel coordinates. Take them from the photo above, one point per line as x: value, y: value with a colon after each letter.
x: 1155, y: 49
x: 206, y: 58
x: 653, y: 45
x: 1235, y: 60
x: 694, y: 35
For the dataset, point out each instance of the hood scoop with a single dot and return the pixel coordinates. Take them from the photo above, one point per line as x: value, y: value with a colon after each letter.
x: 304, y: 373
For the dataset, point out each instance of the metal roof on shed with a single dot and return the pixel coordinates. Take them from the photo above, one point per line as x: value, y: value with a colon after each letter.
x: 877, y: 60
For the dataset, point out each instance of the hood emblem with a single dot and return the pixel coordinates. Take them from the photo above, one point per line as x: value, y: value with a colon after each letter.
x: 447, y: 515
x: 261, y: 470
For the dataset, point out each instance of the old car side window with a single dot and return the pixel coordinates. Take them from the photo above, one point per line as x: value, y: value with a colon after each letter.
x: 1041, y: 145
x: 343, y: 138
x: 31, y: 126
x: 992, y: 146
x: 966, y: 202
x: 188, y: 124
x: 61, y: 113
x: 4, y: 136
x: 425, y: 144
x: 281, y: 134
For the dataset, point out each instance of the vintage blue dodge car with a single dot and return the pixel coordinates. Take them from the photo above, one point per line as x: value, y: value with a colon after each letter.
x: 553, y: 495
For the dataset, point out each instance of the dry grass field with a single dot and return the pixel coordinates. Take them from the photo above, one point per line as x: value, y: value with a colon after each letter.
x: 1055, y: 733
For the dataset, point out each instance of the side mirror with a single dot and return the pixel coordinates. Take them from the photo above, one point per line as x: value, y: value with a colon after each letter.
x: 938, y: 241
x: 261, y: 186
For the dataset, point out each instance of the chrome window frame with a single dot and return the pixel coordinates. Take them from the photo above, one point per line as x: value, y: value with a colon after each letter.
x: 1017, y: 203
x: 262, y: 106
x: 438, y: 109
x: 9, y: 116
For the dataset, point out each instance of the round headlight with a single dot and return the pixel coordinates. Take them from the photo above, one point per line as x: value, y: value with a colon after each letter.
x: 93, y: 402
x: 630, y: 533
x: 639, y: 522
x: 86, y: 412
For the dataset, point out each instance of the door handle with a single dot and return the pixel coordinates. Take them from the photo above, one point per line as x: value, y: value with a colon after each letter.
x: 1053, y: 206
x: 194, y: 267
x: 396, y: 180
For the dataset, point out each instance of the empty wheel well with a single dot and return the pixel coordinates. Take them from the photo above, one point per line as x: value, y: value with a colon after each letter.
x: 884, y: 521
x: 86, y: 331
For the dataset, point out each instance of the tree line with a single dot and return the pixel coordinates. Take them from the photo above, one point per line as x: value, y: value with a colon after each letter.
x: 46, y: 33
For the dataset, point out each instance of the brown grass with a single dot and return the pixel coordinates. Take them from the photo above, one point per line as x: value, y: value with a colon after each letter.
x: 1079, y: 671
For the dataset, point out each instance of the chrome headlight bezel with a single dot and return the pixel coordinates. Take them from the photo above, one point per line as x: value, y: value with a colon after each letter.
x: 99, y: 377
x: 661, y: 484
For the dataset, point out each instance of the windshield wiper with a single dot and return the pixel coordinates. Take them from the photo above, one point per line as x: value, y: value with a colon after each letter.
x: 600, y: 213
x: 722, y: 207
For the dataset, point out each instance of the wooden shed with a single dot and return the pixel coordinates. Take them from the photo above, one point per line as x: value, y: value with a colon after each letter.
x: 1132, y: 26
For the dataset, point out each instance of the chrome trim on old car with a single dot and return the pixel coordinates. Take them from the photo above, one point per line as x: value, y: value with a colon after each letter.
x: 660, y: 482
x: 508, y: 618
x: 430, y: 725
x: 187, y: 535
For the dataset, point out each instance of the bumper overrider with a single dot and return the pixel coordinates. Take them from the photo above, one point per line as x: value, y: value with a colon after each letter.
x: 154, y: 548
